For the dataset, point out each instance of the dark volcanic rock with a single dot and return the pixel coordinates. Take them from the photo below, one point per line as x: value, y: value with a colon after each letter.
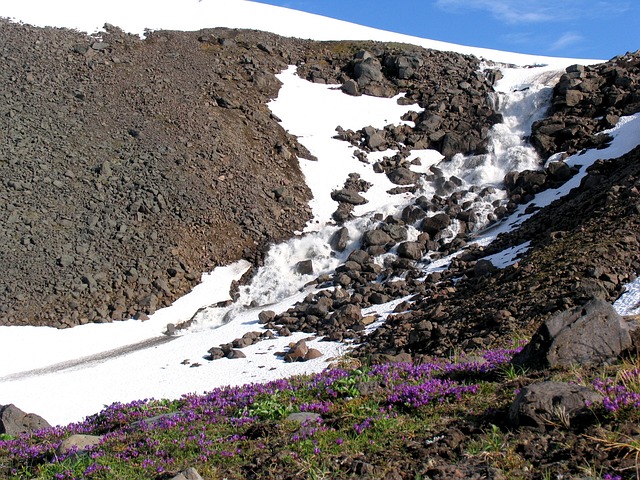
x: 587, y: 100
x: 141, y: 185
x: 547, y: 404
x: 590, y: 334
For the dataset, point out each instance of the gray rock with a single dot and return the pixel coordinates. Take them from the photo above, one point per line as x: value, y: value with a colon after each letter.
x: 403, y: 176
x: 552, y: 403
x: 188, y: 474
x: 376, y: 140
x: 411, y: 250
x: 589, y: 335
x: 266, y: 316
x: 235, y: 354
x: 304, y: 267
x: 340, y: 239
x: 77, y: 443
x: 303, y: 417
x: 483, y: 267
x: 348, y: 196
x: 435, y: 224
x: 14, y: 421
x: 367, y: 71
x: 376, y: 237
x: 216, y: 353
x: 350, y: 87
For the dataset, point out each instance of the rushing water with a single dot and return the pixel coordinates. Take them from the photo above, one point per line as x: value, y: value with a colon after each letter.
x: 523, y: 97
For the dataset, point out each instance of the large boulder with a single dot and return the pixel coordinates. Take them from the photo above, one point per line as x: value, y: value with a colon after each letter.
x: 588, y: 335
x: 367, y: 70
x: 376, y: 237
x: 411, y: 250
x: 552, y: 403
x: 14, y: 421
x: 435, y: 224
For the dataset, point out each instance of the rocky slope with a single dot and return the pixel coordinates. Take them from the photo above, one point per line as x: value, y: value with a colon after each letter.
x: 130, y: 166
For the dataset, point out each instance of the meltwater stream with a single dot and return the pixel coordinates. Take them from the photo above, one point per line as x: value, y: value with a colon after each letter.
x: 523, y: 96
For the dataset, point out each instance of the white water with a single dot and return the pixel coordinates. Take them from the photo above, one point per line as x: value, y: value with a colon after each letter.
x: 523, y: 96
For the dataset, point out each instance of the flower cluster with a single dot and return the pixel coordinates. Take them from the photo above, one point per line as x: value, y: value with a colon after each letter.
x: 215, y: 425
x: 424, y: 393
x: 616, y: 394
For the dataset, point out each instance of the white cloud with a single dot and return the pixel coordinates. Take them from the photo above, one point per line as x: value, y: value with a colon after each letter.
x: 536, y: 11
x: 569, y: 38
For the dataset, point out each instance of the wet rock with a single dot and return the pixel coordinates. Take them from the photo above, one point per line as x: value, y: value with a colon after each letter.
x: 305, y: 267
x: 376, y: 237
x: 435, y: 224
x: 340, y: 239
x: 411, y: 250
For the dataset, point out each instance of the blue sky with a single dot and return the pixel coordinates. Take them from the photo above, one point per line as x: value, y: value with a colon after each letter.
x: 598, y: 29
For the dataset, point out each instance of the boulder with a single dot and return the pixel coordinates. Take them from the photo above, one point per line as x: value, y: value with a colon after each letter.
x: 14, y: 421
x: 77, y: 443
x: 297, y: 352
x: 304, y: 267
x: 367, y: 71
x: 235, y: 354
x: 587, y: 335
x: 340, y: 239
x: 348, y: 196
x: 435, y: 224
x: 552, y: 403
x: 303, y: 417
x: 350, y: 87
x: 266, y: 316
x: 376, y: 237
x: 403, y: 176
x: 312, y: 353
x: 411, y: 250
x: 188, y: 474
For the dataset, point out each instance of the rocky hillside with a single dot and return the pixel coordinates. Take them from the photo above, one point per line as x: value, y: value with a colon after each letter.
x: 130, y: 166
